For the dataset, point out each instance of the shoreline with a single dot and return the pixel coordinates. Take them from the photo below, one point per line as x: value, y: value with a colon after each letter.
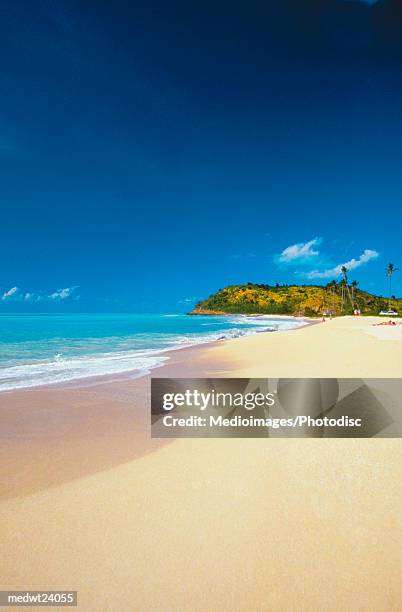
x: 166, y: 353
x: 53, y: 434
x: 221, y: 313
x: 246, y: 348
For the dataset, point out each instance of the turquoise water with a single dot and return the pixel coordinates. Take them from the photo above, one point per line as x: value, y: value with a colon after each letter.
x: 46, y: 349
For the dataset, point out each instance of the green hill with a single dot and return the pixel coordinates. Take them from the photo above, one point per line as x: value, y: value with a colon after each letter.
x: 302, y: 300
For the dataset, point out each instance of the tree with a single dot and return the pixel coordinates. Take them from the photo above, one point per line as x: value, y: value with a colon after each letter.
x: 390, y: 271
x: 342, y: 288
x: 332, y: 286
x: 344, y: 272
x: 354, y: 287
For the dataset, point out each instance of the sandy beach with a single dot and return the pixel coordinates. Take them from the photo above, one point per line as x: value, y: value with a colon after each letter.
x: 90, y: 502
x: 344, y: 347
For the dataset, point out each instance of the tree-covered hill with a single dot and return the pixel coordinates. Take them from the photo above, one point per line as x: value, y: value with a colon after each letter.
x: 302, y: 300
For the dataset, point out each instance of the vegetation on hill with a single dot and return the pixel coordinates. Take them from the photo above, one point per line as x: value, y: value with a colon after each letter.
x: 302, y: 300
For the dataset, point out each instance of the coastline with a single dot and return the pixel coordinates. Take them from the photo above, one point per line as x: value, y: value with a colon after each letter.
x: 51, y: 434
x: 158, y: 354
x: 75, y: 456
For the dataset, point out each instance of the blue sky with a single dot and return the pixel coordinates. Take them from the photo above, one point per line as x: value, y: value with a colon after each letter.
x: 150, y: 155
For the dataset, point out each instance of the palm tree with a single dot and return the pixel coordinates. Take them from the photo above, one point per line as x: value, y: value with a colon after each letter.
x: 332, y: 285
x: 342, y: 286
x: 390, y: 271
x: 354, y: 287
x: 344, y: 272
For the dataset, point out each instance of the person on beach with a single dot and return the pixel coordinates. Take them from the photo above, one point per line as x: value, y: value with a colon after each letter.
x: 386, y: 323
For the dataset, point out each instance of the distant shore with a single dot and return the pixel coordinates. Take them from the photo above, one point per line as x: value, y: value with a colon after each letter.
x: 221, y: 313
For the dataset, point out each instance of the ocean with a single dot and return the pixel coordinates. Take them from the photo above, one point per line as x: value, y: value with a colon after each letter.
x: 43, y: 349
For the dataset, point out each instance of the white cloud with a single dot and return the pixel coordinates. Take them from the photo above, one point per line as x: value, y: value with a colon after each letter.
x: 62, y: 294
x: 364, y: 258
x: 299, y: 251
x: 11, y: 293
x: 14, y: 294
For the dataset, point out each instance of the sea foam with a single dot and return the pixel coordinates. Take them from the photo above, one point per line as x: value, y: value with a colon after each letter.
x: 42, y: 355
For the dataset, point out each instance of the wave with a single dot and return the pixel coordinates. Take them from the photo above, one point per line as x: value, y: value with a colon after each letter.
x: 135, y: 362
x: 281, y: 324
x: 61, y: 370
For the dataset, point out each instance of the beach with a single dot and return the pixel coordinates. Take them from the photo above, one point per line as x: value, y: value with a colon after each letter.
x: 91, y: 503
x: 343, y: 347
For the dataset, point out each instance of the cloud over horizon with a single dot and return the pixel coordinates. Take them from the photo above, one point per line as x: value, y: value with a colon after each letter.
x: 62, y: 294
x: 365, y: 257
x: 9, y: 294
x: 16, y: 295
